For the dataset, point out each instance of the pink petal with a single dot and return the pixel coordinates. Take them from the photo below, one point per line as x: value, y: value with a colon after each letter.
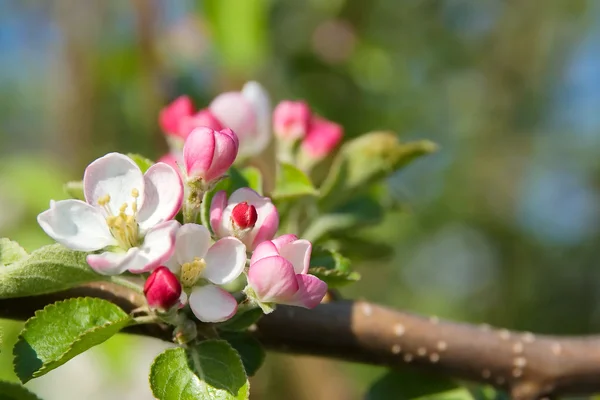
x: 322, y: 137
x: 174, y: 160
x: 273, y: 279
x: 217, y: 206
x: 263, y: 250
x: 248, y: 195
x: 282, y: 240
x: 235, y: 112
x: 171, y: 115
x: 311, y: 291
x: 225, y: 152
x: 199, y: 151
x: 298, y: 253
x: 291, y: 119
x: 112, y: 263
x: 115, y: 175
x: 164, y: 193
x: 158, y: 247
x: 212, y: 304
x: 266, y: 225
x: 203, y: 118
x: 225, y: 260
x: 76, y: 225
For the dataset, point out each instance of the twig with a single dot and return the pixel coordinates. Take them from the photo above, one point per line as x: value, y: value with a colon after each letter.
x: 528, y: 366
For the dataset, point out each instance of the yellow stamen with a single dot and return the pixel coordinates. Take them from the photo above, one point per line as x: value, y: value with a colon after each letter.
x: 192, y: 271
x: 123, y: 208
x: 135, y: 193
x: 104, y: 200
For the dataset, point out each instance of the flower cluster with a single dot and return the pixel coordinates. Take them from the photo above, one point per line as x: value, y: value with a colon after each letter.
x: 302, y: 135
x: 130, y: 220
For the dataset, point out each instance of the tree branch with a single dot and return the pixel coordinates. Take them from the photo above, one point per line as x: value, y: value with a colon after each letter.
x: 528, y: 366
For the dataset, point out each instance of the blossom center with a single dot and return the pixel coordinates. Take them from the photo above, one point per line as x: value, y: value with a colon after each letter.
x: 192, y: 271
x: 123, y: 225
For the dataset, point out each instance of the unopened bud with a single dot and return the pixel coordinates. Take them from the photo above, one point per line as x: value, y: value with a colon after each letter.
x: 244, y: 216
x: 162, y: 289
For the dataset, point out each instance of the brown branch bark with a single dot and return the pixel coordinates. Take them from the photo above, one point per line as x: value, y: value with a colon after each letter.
x: 528, y: 366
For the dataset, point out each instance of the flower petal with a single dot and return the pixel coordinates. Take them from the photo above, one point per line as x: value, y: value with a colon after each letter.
x: 311, y: 291
x: 258, y: 97
x: 263, y: 250
x: 225, y: 260
x: 217, y: 205
x: 266, y: 224
x: 273, y: 279
x: 171, y: 115
x: 158, y: 247
x: 76, y: 225
x: 298, y: 253
x: 248, y: 195
x: 199, y: 151
x: 282, y: 240
x: 111, y: 263
x: 225, y: 152
x: 212, y: 304
x: 235, y: 112
x: 115, y: 175
x: 164, y: 192
x: 193, y: 241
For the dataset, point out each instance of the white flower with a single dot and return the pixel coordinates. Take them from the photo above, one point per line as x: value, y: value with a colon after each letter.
x: 201, y: 267
x: 126, y: 213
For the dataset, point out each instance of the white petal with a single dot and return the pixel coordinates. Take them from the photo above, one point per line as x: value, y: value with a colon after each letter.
x: 225, y: 260
x: 193, y: 240
x: 111, y: 263
x: 158, y: 247
x: 259, y: 98
x: 163, y: 195
x: 212, y: 304
x: 76, y: 225
x: 115, y: 175
x: 248, y: 195
x: 298, y: 253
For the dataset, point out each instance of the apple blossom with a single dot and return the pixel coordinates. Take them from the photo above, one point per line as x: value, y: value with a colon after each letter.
x: 126, y: 213
x: 291, y: 120
x: 202, y: 266
x: 171, y: 115
x: 278, y: 273
x: 248, y: 113
x: 225, y: 222
x: 162, y: 289
x: 322, y: 138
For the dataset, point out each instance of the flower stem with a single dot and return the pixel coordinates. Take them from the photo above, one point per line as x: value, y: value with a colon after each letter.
x: 146, y: 319
x: 119, y: 280
x: 204, y: 210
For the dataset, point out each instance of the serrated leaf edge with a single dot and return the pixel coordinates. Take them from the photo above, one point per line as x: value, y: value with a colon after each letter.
x: 43, y: 371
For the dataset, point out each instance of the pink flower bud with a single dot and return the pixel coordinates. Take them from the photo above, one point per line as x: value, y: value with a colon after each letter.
x: 278, y: 273
x: 202, y: 118
x: 208, y: 154
x: 225, y: 223
x: 162, y: 289
x: 291, y: 119
x: 322, y: 138
x: 171, y: 115
x: 244, y: 216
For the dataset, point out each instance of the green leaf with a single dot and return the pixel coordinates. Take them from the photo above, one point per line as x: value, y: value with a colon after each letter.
x: 14, y: 391
x: 49, y: 269
x: 332, y: 268
x: 366, y: 160
x: 292, y: 182
x: 63, y: 330
x: 250, y: 350
x: 141, y: 161
x: 359, y: 212
x: 241, y: 321
x: 210, y: 370
x: 253, y: 179
x: 10, y: 252
x: 74, y: 189
x: 409, y: 384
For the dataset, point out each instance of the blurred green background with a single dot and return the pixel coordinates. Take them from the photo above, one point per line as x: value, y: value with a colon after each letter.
x: 500, y: 226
